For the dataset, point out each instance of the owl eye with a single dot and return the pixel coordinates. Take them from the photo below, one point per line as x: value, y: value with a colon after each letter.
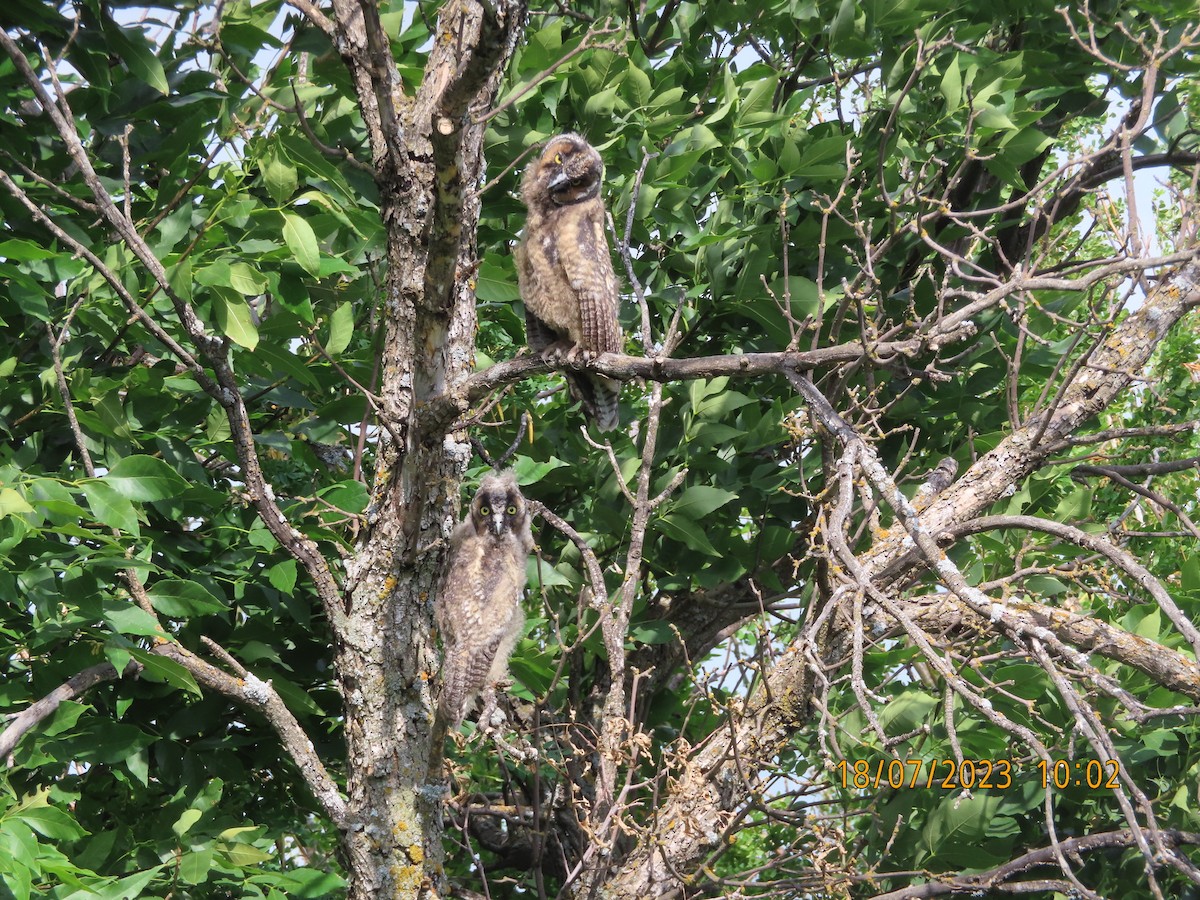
x: 512, y: 510
x: 558, y: 159
x: 485, y: 511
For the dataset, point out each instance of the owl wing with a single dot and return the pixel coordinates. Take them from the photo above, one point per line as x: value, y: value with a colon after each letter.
x: 587, y: 264
x: 584, y: 256
x: 464, y: 675
x: 538, y: 334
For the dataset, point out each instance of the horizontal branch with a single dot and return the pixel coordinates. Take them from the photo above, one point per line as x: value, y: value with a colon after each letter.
x: 1138, y: 470
x: 975, y: 884
x: 459, y: 398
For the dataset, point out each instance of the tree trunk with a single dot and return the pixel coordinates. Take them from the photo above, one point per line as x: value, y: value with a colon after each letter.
x: 429, y: 165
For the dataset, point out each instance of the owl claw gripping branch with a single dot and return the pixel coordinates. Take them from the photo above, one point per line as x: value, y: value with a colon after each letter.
x: 565, y: 271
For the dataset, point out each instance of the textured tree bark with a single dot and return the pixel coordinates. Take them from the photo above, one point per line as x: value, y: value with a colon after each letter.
x: 429, y: 162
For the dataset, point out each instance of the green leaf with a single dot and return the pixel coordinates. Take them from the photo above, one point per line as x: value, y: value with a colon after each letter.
x: 51, y: 822
x: 302, y: 241
x: 110, y: 508
x: 130, y: 619
x: 496, y: 284
x: 951, y: 86
x: 341, y: 329
x: 637, y: 82
x: 159, y: 668
x: 12, y: 503
x: 656, y: 632
x: 179, y: 598
x: 144, y: 478
x: 282, y: 576
x: 236, y: 323
x: 195, y: 866
x: 280, y: 177
x: 311, y: 884
x: 686, y: 531
x: 135, y: 52
x: 24, y: 251
x: 186, y: 820
x: 699, y: 500
x: 130, y: 887
x: 18, y: 842
x: 246, y: 281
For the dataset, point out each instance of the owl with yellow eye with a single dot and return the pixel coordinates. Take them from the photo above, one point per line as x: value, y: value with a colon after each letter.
x: 565, y: 270
x: 479, y: 610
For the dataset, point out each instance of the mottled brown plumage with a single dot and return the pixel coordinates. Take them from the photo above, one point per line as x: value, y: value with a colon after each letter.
x: 479, y: 612
x: 565, y: 270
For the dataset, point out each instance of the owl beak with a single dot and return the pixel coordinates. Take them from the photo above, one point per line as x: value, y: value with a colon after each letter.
x: 496, y: 523
x: 560, y: 180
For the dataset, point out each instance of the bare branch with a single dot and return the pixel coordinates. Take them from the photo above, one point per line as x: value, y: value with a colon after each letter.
x: 1005, y: 875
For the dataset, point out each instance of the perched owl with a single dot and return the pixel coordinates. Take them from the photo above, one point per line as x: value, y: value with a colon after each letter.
x: 565, y: 271
x: 479, y: 614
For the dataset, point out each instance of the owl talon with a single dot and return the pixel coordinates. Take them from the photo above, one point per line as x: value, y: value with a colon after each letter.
x: 557, y: 353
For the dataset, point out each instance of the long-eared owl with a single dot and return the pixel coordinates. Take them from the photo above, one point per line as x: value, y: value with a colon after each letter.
x: 479, y: 612
x: 565, y: 271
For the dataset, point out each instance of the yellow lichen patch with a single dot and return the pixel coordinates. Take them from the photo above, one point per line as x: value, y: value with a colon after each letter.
x: 406, y: 877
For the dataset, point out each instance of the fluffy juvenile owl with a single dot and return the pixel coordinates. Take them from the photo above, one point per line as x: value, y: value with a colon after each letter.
x: 565, y: 272
x: 479, y: 614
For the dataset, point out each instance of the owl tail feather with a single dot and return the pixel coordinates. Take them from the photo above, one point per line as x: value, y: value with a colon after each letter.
x: 599, y: 397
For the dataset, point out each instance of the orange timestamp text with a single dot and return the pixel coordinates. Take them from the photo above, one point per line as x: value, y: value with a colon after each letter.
x: 975, y: 774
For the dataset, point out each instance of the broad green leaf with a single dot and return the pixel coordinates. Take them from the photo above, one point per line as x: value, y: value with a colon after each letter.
x: 699, y: 500
x: 302, y: 241
x: 280, y: 178
x: 341, y: 329
x: 236, y: 323
x: 195, y: 866
x: 136, y: 53
x: 179, y: 598
x: 186, y: 820
x: 688, y: 532
x: 159, y: 668
x: 23, y: 250
x: 311, y: 884
x: 245, y: 280
x: 657, y: 632
x: 18, y: 842
x: 144, y: 478
x: 282, y: 576
x: 952, y: 85
x: 110, y: 507
x: 51, y: 822
x: 12, y: 503
x: 131, y: 619
x: 495, y: 284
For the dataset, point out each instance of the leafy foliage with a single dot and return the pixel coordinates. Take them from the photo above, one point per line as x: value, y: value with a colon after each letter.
x: 782, y: 176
